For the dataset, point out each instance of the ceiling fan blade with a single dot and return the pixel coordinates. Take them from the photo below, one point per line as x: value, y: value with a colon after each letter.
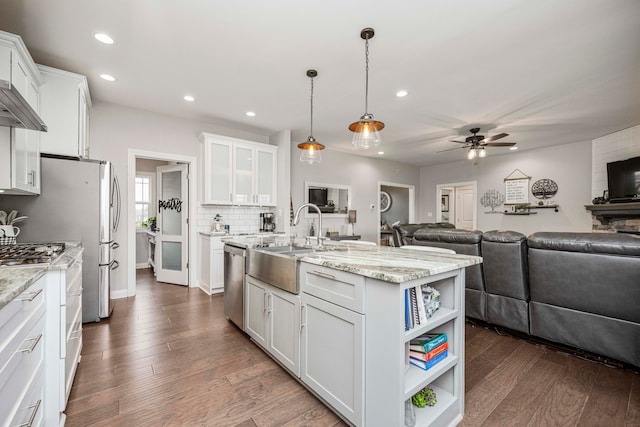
x: 499, y: 144
x: 496, y: 137
x: 460, y: 142
x: 450, y: 149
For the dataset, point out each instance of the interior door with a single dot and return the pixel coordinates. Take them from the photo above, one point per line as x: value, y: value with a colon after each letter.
x: 172, y: 238
x: 464, y: 208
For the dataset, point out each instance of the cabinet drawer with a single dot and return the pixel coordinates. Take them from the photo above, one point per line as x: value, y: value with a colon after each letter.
x: 30, y: 410
x: 24, y: 366
x: 72, y: 309
x: 16, y: 320
x: 339, y: 287
x: 73, y: 277
x: 74, y: 346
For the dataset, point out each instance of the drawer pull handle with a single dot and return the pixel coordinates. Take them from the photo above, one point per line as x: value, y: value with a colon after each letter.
x: 323, y: 274
x: 33, y: 414
x: 32, y: 296
x: 34, y: 343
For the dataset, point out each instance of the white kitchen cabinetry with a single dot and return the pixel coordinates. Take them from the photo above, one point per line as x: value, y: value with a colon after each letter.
x: 22, y: 342
x: 64, y: 336
x: 211, y: 265
x: 272, y: 319
x: 238, y: 172
x: 355, y: 351
x: 64, y: 107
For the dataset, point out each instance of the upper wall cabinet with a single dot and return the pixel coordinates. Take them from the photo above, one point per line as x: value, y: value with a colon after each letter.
x: 238, y: 172
x: 64, y: 106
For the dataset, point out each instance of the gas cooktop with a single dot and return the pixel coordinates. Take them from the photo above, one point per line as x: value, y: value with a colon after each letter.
x: 29, y: 253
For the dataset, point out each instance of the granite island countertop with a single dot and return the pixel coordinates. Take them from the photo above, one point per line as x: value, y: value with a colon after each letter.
x: 15, y: 279
x: 389, y: 264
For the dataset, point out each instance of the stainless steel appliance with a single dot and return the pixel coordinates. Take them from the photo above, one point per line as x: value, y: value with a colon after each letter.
x: 79, y: 201
x: 267, y: 221
x: 234, y: 269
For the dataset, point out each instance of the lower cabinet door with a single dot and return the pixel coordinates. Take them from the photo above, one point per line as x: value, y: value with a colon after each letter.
x: 255, y: 306
x: 284, y: 328
x: 332, y: 355
x: 217, y: 271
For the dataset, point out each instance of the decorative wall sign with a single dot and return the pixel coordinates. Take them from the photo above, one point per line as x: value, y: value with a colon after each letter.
x: 544, y: 188
x: 174, y: 204
x: 385, y: 201
x: 516, y: 188
x: 492, y: 199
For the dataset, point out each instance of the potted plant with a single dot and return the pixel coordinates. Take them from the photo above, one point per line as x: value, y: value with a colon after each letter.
x: 150, y: 222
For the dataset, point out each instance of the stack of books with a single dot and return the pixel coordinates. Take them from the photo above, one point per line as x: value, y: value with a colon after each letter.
x: 420, y: 304
x: 428, y: 349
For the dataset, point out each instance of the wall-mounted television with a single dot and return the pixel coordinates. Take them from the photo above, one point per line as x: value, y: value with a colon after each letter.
x: 623, y: 178
x: 318, y: 196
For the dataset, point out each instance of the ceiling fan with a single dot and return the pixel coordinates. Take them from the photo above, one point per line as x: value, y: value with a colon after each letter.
x: 477, y: 143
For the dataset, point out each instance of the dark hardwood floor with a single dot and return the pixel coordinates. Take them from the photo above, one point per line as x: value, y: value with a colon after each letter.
x: 169, y: 357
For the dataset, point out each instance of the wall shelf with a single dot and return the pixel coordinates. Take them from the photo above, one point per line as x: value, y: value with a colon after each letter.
x: 527, y: 210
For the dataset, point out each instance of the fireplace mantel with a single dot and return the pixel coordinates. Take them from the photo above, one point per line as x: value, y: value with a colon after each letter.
x: 615, y: 210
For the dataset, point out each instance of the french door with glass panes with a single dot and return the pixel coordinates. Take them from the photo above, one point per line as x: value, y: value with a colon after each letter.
x: 172, y: 238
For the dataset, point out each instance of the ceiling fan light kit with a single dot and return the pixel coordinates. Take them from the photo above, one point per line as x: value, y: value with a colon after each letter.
x: 311, y: 149
x: 366, y: 130
x: 476, y: 144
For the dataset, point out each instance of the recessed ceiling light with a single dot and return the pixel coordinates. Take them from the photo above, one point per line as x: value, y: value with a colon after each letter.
x: 108, y: 77
x: 102, y: 37
x: 251, y: 114
x: 189, y: 98
x: 402, y: 93
x: 380, y: 153
x: 513, y: 148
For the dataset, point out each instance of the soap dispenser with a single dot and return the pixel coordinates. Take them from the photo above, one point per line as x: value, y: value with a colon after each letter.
x: 312, y: 232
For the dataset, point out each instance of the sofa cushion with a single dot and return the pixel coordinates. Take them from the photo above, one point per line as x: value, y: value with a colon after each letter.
x: 445, y: 235
x: 504, y: 255
x: 604, y: 243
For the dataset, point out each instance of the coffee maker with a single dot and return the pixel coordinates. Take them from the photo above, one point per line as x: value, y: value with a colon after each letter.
x: 267, y: 222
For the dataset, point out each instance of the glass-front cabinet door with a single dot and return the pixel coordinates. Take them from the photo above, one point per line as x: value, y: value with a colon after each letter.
x: 243, y: 193
x: 265, y: 183
x: 218, y: 175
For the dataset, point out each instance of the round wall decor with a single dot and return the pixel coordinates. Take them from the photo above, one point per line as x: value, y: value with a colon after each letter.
x: 385, y: 201
x: 544, y: 188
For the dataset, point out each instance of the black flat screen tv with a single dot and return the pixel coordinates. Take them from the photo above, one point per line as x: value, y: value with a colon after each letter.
x: 318, y: 196
x: 623, y: 178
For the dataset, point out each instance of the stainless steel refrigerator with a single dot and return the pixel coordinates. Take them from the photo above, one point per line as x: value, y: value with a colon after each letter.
x: 79, y: 201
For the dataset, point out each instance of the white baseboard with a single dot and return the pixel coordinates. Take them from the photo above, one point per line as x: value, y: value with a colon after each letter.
x: 142, y: 265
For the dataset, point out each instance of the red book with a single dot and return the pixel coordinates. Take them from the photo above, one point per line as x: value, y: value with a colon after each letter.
x: 430, y: 355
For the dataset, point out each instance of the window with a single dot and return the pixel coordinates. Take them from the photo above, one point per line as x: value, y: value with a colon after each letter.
x: 144, y: 190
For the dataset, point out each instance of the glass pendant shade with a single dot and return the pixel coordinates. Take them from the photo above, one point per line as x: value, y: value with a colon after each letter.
x: 482, y: 153
x: 311, y: 151
x: 366, y: 132
x: 471, y: 154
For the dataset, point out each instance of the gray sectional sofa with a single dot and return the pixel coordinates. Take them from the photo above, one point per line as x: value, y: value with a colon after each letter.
x: 577, y: 289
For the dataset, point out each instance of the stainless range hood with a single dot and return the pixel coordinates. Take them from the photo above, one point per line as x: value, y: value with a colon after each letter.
x: 15, y: 111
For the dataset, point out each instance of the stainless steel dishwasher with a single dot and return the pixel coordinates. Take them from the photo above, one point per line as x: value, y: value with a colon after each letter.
x: 234, y: 268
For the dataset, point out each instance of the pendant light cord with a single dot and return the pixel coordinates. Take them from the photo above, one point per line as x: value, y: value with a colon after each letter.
x: 366, y: 85
x: 311, y: 127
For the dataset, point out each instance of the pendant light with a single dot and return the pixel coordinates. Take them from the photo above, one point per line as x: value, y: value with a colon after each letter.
x: 311, y: 148
x: 366, y: 130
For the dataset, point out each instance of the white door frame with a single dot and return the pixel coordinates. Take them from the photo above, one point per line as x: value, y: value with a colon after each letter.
x: 412, y: 199
x: 473, y: 184
x: 132, y: 155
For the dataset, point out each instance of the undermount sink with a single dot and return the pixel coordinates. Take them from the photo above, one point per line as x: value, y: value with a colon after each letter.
x: 278, y: 265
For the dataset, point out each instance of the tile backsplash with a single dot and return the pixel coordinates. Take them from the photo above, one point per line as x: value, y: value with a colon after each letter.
x: 241, y: 219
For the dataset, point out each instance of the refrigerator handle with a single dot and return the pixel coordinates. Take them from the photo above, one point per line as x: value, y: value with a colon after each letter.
x: 114, y: 265
x: 116, y: 202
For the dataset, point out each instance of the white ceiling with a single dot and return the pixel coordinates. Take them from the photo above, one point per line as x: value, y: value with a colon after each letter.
x: 547, y: 72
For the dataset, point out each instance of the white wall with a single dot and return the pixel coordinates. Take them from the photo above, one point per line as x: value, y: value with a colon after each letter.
x: 568, y: 165
x: 621, y: 145
x: 115, y: 129
x: 361, y: 173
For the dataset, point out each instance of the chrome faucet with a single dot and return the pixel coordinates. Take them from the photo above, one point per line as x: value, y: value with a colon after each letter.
x: 296, y: 219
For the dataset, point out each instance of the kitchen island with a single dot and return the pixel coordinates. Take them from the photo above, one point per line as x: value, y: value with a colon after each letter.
x: 344, y: 334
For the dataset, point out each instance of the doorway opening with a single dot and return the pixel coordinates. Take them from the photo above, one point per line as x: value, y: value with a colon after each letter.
x: 158, y: 160
x: 396, y: 206
x: 456, y: 204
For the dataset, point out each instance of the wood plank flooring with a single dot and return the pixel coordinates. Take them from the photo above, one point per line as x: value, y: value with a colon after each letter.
x: 169, y: 357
